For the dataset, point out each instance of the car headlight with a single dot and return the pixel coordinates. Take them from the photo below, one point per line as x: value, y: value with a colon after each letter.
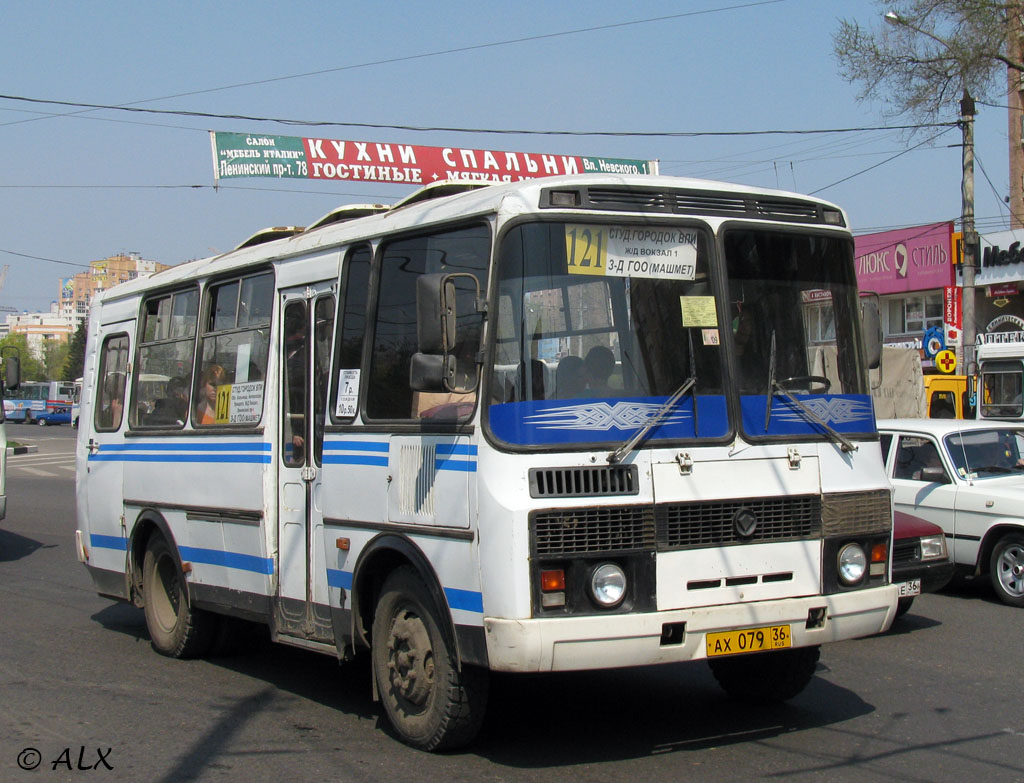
x: 933, y: 547
x: 608, y: 585
x: 852, y: 564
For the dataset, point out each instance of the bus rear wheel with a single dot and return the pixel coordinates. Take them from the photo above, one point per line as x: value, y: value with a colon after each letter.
x: 175, y: 629
x: 431, y: 703
x: 767, y: 677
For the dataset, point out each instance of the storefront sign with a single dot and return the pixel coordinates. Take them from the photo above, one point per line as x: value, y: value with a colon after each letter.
x: 1001, y: 290
x: 912, y: 259
x: 284, y: 157
x: 952, y: 314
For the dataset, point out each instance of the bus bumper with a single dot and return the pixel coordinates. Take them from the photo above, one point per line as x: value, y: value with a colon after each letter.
x: 610, y: 641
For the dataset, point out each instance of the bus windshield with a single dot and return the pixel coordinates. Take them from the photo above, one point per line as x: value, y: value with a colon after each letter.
x: 599, y: 325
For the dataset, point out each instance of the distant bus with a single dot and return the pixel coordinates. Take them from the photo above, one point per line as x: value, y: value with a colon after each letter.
x: 35, y: 397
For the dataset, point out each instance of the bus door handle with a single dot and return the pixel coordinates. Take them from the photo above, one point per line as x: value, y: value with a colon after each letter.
x: 94, y: 446
x: 308, y: 473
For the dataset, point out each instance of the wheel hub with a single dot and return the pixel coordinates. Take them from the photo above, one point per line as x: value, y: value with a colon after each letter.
x: 410, y: 658
x: 1011, y: 570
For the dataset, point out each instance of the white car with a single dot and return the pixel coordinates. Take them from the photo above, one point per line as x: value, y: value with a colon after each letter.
x: 967, y: 477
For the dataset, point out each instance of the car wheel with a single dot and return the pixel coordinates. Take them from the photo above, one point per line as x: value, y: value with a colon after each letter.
x: 431, y: 702
x: 766, y: 677
x: 903, y: 606
x: 41, y: 422
x: 175, y: 629
x: 1006, y: 569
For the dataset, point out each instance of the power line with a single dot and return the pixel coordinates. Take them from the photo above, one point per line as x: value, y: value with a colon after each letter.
x: 448, y: 129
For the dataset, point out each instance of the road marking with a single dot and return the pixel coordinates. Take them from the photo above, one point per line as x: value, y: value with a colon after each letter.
x: 36, y: 471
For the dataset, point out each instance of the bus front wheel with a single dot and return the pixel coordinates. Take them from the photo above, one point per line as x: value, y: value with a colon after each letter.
x: 175, y: 629
x: 431, y: 703
x: 766, y: 677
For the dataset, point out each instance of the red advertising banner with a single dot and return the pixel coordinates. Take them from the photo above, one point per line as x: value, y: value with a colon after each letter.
x: 260, y: 155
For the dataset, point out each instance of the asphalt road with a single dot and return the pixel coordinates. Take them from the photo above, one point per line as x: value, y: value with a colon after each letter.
x: 938, y: 698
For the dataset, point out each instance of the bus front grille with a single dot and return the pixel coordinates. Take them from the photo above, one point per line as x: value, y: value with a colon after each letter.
x: 671, y: 526
x: 692, y: 525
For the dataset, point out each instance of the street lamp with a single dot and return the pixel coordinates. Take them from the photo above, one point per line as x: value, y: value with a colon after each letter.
x: 970, y: 235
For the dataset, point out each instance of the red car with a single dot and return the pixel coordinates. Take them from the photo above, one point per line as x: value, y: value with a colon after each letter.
x: 920, y: 560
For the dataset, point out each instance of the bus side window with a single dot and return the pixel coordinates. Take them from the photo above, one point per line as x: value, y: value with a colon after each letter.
x: 351, y: 329
x: 112, y: 373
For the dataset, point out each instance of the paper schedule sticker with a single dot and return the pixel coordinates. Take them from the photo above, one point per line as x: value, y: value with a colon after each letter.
x: 698, y: 311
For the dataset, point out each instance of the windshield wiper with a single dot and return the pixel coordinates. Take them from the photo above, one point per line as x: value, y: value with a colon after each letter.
x: 659, y: 415
x: 654, y: 420
x: 836, y: 437
x: 774, y: 388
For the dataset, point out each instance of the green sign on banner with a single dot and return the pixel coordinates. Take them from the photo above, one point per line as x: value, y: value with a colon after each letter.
x: 258, y: 155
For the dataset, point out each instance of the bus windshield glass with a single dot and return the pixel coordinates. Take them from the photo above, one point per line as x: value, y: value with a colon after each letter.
x: 598, y: 325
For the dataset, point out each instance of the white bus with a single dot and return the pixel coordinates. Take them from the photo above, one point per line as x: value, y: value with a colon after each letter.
x: 564, y: 424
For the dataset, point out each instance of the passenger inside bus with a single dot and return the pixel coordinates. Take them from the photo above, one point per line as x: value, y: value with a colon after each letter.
x: 599, y: 363
x: 206, y: 407
x: 570, y: 378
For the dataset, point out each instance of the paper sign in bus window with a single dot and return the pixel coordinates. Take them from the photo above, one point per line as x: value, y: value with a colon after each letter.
x: 698, y: 311
x: 655, y: 252
x: 348, y: 394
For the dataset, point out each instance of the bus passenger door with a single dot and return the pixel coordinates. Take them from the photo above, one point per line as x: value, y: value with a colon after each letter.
x: 100, y: 489
x: 307, y: 317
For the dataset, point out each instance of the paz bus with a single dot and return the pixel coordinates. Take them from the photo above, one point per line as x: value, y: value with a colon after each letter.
x: 554, y: 425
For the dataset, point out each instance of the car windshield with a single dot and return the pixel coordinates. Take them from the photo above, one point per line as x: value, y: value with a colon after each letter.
x: 987, y: 453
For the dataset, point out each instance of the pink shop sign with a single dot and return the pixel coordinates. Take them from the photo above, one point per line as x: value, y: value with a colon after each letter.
x: 908, y: 259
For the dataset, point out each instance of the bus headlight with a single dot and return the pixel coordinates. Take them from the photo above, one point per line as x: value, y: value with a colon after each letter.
x: 608, y: 585
x: 852, y: 564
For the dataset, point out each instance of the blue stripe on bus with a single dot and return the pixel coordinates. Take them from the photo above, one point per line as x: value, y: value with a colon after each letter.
x: 460, y: 465
x: 355, y: 445
x: 355, y: 459
x: 108, y: 542
x: 259, y: 565
x: 190, y: 446
x: 169, y: 458
x: 466, y: 600
x: 451, y: 449
x: 336, y: 578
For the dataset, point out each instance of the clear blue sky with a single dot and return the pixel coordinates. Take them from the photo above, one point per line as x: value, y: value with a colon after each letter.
x: 82, y: 187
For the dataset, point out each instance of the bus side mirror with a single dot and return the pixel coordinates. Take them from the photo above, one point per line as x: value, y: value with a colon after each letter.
x: 435, y: 313
x: 434, y: 367
x: 871, y: 325
x: 12, y: 372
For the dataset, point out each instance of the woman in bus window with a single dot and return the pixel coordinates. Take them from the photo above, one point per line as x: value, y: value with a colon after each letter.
x: 206, y: 408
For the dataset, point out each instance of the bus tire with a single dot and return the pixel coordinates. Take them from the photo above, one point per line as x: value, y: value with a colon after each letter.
x: 175, y: 629
x: 1006, y: 568
x: 429, y: 701
x: 768, y: 677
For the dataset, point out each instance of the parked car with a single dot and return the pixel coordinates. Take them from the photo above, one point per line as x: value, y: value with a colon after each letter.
x: 920, y: 559
x: 61, y: 416
x: 967, y: 477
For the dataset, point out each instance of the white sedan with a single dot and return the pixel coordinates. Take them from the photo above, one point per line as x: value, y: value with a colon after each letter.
x: 967, y: 477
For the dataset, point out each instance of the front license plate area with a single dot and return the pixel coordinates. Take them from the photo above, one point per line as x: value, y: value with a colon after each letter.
x: 908, y: 589
x: 748, y: 640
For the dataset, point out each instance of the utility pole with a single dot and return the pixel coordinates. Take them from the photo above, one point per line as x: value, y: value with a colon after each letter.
x: 1015, y: 115
x: 970, y: 236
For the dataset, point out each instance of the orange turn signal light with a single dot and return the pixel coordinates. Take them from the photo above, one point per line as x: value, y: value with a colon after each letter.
x: 552, y: 580
x: 879, y: 553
